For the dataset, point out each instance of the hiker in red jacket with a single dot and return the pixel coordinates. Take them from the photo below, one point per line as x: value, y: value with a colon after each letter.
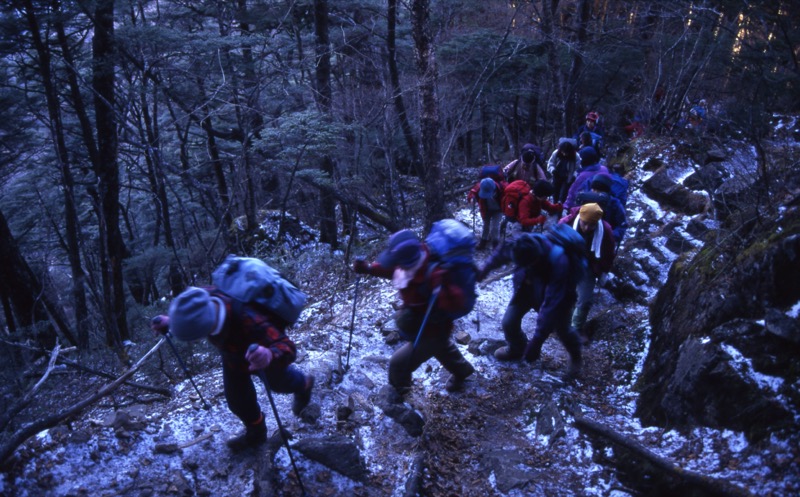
x: 532, y: 206
x: 406, y: 262
x: 208, y: 313
x: 488, y: 194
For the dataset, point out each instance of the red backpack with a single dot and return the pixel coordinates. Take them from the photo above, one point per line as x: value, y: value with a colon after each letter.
x: 513, y: 195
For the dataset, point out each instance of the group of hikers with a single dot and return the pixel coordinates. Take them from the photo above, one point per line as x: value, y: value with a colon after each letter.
x: 246, y: 310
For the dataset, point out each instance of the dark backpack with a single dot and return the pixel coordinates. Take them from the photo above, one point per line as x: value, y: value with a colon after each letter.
x: 452, y: 246
x: 251, y: 280
x: 512, y: 196
x: 565, y: 238
x: 561, y: 171
x: 494, y: 172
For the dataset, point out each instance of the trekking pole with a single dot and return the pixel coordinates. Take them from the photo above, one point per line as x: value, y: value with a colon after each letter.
x: 352, y: 323
x: 263, y: 376
x: 206, y: 405
x: 434, y: 296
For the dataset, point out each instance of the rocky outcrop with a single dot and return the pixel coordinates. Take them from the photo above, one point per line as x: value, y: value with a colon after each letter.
x: 724, y: 349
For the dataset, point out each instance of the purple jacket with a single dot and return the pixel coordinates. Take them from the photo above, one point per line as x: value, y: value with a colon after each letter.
x: 548, y: 286
x: 577, y: 186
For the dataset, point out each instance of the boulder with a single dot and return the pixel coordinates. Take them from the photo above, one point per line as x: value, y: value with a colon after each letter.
x: 666, y: 191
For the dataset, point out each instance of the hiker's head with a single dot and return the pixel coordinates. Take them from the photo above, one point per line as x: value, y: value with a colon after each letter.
x: 543, y: 188
x: 528, y: 153
x: 589, y: 216
x: 488, y: 187
x: 567, y: 148
x: 589, y: 156
x: 585, y: 139
x: 195, y: 314
x: 403, y: 250
x: 528, y: 249
x: 601, y: 182
x: 591, y: 120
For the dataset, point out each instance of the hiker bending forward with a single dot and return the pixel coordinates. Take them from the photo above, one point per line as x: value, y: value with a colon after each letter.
x: 231, y: 327
x: 406, y: 262
x: 545, y: 281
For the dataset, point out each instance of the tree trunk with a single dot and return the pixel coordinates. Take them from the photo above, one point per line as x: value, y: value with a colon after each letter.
x: 327, y: 205
x: 72, y: 225
x: 397, y: 91
x: 103, y: 79
x: 429, y: 116
x: 28, y: 301
x: 572, y: 108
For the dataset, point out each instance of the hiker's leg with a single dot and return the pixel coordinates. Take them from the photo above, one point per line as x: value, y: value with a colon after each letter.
x: 240, y: 393
x: 404, y: 362
x: 584, y: 304
x: 287, y: 380
x: 495, y: 220
x: 446, y: 352
x: 512, y: 328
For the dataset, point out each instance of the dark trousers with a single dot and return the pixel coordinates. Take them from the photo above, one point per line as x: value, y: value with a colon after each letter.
x: 432, y: 343
x: 512, y: 329
x: 240, y: 392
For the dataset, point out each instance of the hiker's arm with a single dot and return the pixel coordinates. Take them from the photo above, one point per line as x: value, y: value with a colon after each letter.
x: 264, y: 333
x: 500, y: 257
x: 372, y: 269
x: 552, y: 208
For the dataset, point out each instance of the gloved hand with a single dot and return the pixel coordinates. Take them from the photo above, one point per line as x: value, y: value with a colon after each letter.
x: 160, y: 324
x: 259, y: 357
x: 540, y: 219
x: 361, y: 266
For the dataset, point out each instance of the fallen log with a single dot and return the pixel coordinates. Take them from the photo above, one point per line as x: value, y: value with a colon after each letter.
x: 705, y: 483
x: 19, y: 437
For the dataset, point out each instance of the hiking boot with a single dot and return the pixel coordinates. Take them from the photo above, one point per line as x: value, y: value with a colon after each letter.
x: 253, y: 436
x: 455, y: 383
x: 302, y: 399
x: 505, y: 354
x: 574, y: 370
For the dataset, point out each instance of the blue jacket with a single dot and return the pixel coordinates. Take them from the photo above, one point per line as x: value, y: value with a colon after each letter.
x: 549, y: 286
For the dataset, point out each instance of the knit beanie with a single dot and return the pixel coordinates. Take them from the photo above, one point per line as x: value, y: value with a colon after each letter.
x: 194, y: 315
x: 403, y: 249
x: 590, y: 213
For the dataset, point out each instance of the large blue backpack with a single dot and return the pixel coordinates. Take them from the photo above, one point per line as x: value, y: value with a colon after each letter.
x: 452, y: 246
x: 566, y: 240
x: 251, y: 280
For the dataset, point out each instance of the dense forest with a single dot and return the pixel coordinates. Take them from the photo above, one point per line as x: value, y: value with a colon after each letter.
x: 143, y: 141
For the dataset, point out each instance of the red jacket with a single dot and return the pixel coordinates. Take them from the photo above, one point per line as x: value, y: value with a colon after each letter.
x: 250, y: 326
x: 483, y: 204
x: 608, y: 245
x: 417, y: 294
x: 530, y: 210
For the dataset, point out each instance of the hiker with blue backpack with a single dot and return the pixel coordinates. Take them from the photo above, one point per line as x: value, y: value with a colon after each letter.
x: 436, y: 282
x: 599, y: 192
x: 548, y: 267
x: 487, y: 194
x: 598, y: 238
x: 590, y: 165
x: 244, y: 314
x: 591, y: 132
